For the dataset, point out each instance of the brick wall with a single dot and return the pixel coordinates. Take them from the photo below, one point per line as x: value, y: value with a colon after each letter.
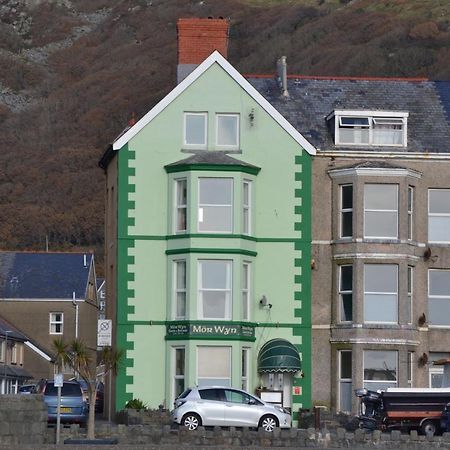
x: 198, y: 38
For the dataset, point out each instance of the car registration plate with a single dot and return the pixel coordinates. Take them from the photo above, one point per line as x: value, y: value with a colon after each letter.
x: 66, y: 410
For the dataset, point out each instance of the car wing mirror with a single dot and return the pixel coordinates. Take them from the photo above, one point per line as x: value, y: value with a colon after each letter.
x: 252, y: 401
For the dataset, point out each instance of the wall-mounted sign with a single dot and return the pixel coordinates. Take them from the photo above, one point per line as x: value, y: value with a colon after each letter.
x: 186, y: 330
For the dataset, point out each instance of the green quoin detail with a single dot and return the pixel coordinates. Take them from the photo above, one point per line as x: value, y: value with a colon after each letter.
x: 222, y: 251
x: 302, y: 279
x: 125, y: 261
x: 213, y: 168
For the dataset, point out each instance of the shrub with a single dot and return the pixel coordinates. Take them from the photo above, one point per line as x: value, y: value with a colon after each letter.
x: 135, y: 404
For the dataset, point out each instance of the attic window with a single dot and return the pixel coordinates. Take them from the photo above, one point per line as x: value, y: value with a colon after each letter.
x: 370, y: 128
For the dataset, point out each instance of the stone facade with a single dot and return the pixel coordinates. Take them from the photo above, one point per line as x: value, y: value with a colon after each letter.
x: 23, y: 420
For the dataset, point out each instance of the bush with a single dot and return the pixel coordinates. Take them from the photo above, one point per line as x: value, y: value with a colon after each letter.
x: 136, y: 404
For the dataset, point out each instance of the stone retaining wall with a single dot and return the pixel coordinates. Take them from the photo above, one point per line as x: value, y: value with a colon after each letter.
x: 23, y: 420
x: 166, y: 436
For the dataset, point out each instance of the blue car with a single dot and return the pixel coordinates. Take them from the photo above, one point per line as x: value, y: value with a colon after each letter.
x: 73, y: 407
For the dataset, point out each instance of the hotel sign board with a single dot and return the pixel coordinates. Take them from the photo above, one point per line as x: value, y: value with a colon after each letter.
x: 205, y: 331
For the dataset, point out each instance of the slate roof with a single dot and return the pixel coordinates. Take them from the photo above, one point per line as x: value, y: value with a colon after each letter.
x: 312, y: 99
x: 14, y: 332
x: 211, y: 157
x: 29, y: 275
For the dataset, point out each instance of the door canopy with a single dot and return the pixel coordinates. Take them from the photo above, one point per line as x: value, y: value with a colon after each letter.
x: 278, y: 355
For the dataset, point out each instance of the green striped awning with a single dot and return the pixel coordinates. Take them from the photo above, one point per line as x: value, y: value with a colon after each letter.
x: 278, y: 355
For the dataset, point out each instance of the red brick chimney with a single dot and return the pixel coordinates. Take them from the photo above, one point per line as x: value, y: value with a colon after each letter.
x: 197, y: 39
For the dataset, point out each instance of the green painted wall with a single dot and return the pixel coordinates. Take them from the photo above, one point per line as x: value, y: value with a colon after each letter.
x: 278, y: 248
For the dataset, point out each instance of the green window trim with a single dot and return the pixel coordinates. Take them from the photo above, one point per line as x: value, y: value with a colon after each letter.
x: 209, y: 251
x: 252, y: 170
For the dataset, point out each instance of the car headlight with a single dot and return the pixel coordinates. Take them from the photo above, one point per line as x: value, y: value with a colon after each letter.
x: 282, y: 410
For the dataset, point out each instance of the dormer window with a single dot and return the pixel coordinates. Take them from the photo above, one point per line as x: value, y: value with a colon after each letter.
x: 377, y: 128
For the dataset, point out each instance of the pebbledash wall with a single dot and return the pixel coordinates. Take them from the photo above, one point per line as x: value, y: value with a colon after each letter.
x: 276, y: 249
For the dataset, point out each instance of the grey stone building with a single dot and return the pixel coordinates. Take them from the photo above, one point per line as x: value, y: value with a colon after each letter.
x: 381, y: 229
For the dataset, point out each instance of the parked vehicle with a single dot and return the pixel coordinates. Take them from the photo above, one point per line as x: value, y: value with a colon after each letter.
x: 224, y: 406
x: 99, y: 398
x: 403, y: 408
x: 27, y: 389
x: 73, y: 407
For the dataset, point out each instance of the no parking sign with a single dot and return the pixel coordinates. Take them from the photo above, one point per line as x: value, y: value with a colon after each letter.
x: 104, y: 333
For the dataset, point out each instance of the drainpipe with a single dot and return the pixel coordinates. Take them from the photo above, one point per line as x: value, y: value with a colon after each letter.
x: 75, y: 304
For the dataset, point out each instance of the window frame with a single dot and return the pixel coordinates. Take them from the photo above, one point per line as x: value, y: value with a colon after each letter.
x: 371, y: 210
x: 372, y: 117
x: 180, y: 207
x: 343, y: 380
x: 343, y: 211
x: 179, y: 290
x: 245, y: 368
x: 437, y: 215
x: 437, y: 297
x: 247, y: 208
x: 227, y: 291
x: 228, y: 146
x: 246, y: 290
x: 230, y: 365
x: 410, y: 292
x: 410, y: 212
x: 390, y: 383
x: 176, y: 377
x: 381, y: 293
x: 56, y: 323
x: 201, y: 206
x: 343, y: 292
x: 202, y: 145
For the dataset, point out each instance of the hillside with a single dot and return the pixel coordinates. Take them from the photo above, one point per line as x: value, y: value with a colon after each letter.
x: 72, y: 72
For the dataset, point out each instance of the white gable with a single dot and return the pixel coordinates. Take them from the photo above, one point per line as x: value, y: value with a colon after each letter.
x: 215, y: 57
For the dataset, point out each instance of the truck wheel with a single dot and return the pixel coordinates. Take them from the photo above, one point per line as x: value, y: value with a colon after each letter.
x: 428, y: 427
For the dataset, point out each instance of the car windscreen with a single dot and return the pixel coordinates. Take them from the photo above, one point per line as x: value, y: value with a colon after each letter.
x: 68, y: 390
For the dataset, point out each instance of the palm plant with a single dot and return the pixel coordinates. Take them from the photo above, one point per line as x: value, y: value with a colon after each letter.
x: 80, y: 358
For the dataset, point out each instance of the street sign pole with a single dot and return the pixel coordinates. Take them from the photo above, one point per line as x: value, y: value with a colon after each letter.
x: 58, y: 382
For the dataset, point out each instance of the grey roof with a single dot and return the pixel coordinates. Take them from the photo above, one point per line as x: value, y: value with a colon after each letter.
x: 211, y: 157
x: 372, y: 164
x: 311, y: 100
x: 6, y: 328
x: 44, y: 275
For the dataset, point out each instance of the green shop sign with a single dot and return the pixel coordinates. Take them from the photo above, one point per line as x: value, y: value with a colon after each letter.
x: 187, y: 330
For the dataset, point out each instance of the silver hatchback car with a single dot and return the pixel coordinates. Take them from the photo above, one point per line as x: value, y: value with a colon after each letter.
x: 224, y: 406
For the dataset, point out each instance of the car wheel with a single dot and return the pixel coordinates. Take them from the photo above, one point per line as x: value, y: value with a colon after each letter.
x: 191, y: 421
x: 268, y: 423
x: 428, y: 427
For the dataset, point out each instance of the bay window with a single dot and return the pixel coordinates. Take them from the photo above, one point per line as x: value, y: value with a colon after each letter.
x: 181, y: 205
x: 179, y: 371
x: 381, y: 293
x: 346, y: 211
x: 180, y: 289
x: 213, y: 366
x: 214, y: 299
x: 345, y: 380
x: 380, y: 369
x: 245, y: 291
x: 246, y: 207
x: 215, y: 205
x: 346, y: 293
x: 381, y: 211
